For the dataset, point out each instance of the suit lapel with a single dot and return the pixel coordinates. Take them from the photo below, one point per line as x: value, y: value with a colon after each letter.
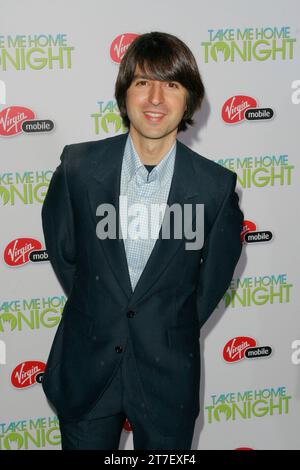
x: 105, y: 188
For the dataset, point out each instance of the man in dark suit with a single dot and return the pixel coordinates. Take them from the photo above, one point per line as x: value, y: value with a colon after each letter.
x: 128, y: 341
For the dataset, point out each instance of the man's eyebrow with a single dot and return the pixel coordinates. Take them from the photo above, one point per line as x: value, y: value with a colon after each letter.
x: 138, y: 76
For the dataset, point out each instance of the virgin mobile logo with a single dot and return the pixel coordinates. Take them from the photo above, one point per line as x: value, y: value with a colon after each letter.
x: 242, y: 347
x: 27, y: 373
x: 242, y: 107
x: 250, y: 234
x: 12, y: 118
x: 120, y: 45
x: 22, y: 250
x: 235, y: 349
x: 17, y: 119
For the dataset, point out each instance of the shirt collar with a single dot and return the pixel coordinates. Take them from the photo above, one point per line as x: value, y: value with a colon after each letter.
x: 134, y: 165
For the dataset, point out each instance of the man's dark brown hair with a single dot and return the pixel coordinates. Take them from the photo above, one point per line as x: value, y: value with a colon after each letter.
x: 161, y: 56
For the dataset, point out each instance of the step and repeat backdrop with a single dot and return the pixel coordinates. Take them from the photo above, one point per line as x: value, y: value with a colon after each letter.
x: 58, y: 66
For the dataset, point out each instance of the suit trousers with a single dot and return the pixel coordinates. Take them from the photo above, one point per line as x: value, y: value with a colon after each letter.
x: 101, y: 427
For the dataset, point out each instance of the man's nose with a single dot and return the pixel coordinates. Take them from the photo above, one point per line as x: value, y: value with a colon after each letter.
x: 156, y: 93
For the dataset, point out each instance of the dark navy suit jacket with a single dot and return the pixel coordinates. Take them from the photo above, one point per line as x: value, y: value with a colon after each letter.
x: 175, y: 295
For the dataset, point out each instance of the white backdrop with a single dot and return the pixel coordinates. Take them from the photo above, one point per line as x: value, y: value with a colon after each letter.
x: 59, y: 61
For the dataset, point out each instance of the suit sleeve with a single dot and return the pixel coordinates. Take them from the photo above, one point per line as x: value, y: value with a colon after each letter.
x: 58, y: 226
x: 221, y: 252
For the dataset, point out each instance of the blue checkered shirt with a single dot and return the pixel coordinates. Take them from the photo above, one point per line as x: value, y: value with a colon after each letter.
x: 141, y: 231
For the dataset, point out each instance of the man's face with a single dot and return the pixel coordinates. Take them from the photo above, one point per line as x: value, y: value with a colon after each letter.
x: 155, y: 108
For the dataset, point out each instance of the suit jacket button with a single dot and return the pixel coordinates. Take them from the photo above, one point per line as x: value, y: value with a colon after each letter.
x: 131, y: 313
x: 118, y: 349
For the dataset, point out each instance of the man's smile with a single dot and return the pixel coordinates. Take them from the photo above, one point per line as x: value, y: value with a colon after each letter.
x: 154, y: 116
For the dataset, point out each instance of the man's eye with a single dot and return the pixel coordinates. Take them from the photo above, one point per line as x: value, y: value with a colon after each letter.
x: 172, y: 85
x: 142, y: 82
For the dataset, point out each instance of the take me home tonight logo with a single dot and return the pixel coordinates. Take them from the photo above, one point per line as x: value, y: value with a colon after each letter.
x: 107, y: 119
x: 258, y: 290
x: 25, y: 187
x: 30, y: 313
x: 35, y: 52
x: 31, y: 433
x: 248, y: 404
x: 260, y: 171
x: 34, y: 433
x: 249, y: 44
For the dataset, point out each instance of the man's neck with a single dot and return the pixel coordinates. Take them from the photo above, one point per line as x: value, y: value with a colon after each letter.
x: 152, y: 151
